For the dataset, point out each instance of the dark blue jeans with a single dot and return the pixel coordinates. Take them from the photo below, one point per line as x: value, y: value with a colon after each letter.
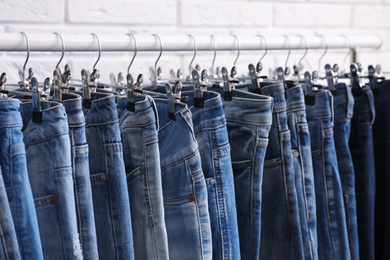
x: 212, y: 137
x: 249, y: 119
x: 108, y: 177
x: 281, y: 234
x: 303, y: 169
x: 142, y: 162
x: 81, y: 177
x: 331, y: 223
x: 343, y: 109
x: 14, y: 169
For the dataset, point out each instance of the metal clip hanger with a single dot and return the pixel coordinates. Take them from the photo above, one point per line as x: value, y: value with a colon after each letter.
x: 3, y: 81
x: 308, y: 89
x: 335, y: 69
x: 24, y: 82
x: 133, y: 90
x: 227, y: 85
x: 329, y: 77
x: 198, y: 95
x: 171, y: 101
x: 36, y: 98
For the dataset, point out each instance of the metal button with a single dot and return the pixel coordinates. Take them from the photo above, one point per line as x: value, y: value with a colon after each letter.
x: 295, y: 154
x: 212, y: 181
x: 53, y: 200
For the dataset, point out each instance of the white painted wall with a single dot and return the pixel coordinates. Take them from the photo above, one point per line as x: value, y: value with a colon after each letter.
x: 176, y: 17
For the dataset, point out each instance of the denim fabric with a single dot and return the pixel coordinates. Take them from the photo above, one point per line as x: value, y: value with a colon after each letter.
x: 343, y: 110
x: 9, y: 248
x: 249, y: 118
x: 81, y: 178
x: 211, y: 133
x: 331, y: 223
x: 184, y: 187
x: 14, y: 169
x: 281, y: 234
x: 50, y: 172
x: 362, y: 150
x: 303, y: 169
x: 108, y: 178
x: 142, y: 163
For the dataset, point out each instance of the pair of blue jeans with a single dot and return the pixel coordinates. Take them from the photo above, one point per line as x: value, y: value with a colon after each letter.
x: 303, y: 169
x: 50, y: 173
x: 184, y: 187
x: 108, y: 179
x: 142, y: 163
x: 14, y: 172
x: 281, y: 233
x: 212, y: 136
x: 343, y: 110
x: 331, y: 223
x: 249, y: 119
x: 81, y: 178
x: 370, y: 210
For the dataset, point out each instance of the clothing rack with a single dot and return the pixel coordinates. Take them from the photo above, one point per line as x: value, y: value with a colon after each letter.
x: 15, y: 42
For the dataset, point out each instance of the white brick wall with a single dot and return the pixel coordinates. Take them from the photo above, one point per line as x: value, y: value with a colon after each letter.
x: 219, y: 17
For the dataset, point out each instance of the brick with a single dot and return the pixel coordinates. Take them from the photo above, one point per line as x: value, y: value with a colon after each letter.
x: 213, y: 13
x: 312, y: 15
x: 32, y: 11
x: 122, y: 12
x: 65, y: 29
x: 371, y: 16
x: 345, y: 1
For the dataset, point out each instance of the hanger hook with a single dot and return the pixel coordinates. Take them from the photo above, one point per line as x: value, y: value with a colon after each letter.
x: 350, y: 48
x: 195, y: 50
x: 238, y: 49
x: 304, y: 55
x: 159, y: 56
x: 63, y: 49
x: 289, y: 50
x: 266, y: 46
x: 100, y: 50
x: 135, y: 52
x: 28, y: 52
x: 215, y: 55
x: 326, y: 50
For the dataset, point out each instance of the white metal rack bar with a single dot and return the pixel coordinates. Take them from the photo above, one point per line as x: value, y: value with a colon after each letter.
x: 11, y: 42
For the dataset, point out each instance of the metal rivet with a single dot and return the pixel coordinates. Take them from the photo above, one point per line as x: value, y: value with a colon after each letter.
x: 212, y: 181
x: 191, y: 197
x: 53, y: 200
x: 104, y: 177
x: 295, y: 154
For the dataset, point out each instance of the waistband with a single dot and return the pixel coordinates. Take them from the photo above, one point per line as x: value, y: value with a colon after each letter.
x: 323, y: 105
x: 211, y: 115
x: 102, y: 111
x: 295, y: 98
x: 54, y: 121
x: 73, y: 104
x: 275, y: 90
x: 9, y: 113
x: 176, y: 137
x: 145, y: 112
x: 365, y: 103
x: 247, y: 107
x: 343, y: 95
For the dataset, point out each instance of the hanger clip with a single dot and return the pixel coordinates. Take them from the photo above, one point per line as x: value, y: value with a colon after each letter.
x: 308, y: 89
x: 280, y: 76
x: 86, y: 89
x: 329, y: 77
x: 255, y: 85
x: 171, y: 102
x: 133, y: 90
x: 3, y: 81
x: 36, y: 98
x: 57, y: 84
x: 25, y: 83
x: 198, y: 94
x: 335, y: 69
x: 227, y: 85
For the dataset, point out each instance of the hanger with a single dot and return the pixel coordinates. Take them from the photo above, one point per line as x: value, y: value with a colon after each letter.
x: 255, y: 73
x: 3, y: 81
x: 193, y: 58
x: 90, y: 81
x: 300, y: 66
x: 375, y: 76
x: 281, y: 74
x: 57, y: 76
x: 323, y: 54
x: 212, y: 76
x: 156, y: 72
x: 24, y: 82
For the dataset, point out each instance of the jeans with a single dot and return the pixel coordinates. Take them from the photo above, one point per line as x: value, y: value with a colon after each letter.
x: 184, y: 186
x: 343, y: 110
x: 281, y: 234
x: 50, y: 172
x: 108, y: 179
x: 142, y: 163
x: 303, y: 169
x: 81, y: 178
x: 211, y: 133
x: 249, y: 118
x: 9, y: 248
x: 362, y: 150
x: 331, y: 222
x: 14, y: 170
